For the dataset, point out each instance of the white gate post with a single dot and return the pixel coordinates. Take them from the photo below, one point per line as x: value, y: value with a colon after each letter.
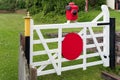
x: 106, y: 35
x: 84, y: 48
x: 31, y: 41
x: 59, y: 49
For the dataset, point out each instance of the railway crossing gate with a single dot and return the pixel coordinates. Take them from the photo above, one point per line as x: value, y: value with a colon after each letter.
x: 55, y: 60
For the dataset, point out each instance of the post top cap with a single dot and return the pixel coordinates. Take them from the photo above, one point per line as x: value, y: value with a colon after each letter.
x: 28, y: 15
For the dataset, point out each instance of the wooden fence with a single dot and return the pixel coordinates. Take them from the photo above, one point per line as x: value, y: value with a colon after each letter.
x: 26, y: 72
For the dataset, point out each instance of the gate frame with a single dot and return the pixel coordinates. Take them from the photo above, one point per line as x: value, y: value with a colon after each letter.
x: 109, y: 49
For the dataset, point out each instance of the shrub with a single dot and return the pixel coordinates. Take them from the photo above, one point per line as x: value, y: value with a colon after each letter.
x: 12, y: 4
x: 20, y: 4
x: 7, y: 4
x: 58, y: 6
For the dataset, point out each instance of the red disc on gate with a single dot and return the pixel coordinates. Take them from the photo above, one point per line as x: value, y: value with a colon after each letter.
x: 72, y: 46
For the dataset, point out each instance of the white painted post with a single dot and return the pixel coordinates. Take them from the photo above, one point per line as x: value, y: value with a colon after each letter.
x: 106, y: 35
x: 31, y: 41
x: 59, y: 49
x: 106, y: 14
x: 84, y: 48
x: 68, y: 21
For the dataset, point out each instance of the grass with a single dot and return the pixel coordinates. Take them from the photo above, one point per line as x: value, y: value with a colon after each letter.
x: 92, y: 73
x: 10, y: 27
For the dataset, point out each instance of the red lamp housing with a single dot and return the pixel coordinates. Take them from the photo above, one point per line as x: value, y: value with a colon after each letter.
x: 72, y: 11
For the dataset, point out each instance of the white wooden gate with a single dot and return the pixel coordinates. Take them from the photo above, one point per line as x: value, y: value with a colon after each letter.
x: 54, y: 55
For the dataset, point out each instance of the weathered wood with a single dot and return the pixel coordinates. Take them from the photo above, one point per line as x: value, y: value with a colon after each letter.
x: 25, y: 73
x: 118, y: 60
x: 107, y: 76
x: 22, y: 41
x: 33, y: 73
x: 22, y: 66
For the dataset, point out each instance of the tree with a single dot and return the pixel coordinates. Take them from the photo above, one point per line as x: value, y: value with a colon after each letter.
x: 86, y: 5
x: 20, y: 4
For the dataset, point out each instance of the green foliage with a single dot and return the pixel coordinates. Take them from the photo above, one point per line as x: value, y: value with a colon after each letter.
x: 95, y: 4
x: 12, y: 4
x: 20, y: 4
x: 52, y: 17
x: 45, y: 6
x: 7, y: 4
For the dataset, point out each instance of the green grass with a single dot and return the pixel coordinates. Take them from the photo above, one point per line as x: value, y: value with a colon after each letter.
x: 10, y: 27
x: 116, y: 14
x: 92, y: 73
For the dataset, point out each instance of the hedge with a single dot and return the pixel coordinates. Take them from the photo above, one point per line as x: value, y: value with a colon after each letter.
x: 12, y: 4
x: 58, y: 6
x: 46, y: 6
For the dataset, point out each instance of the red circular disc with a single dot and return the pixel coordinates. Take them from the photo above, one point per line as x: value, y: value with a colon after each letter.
x: 72, y: 46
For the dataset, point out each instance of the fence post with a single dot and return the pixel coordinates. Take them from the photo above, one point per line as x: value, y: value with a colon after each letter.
x: 27, y: 37
x: 112, y: 43
x: 33, y: 73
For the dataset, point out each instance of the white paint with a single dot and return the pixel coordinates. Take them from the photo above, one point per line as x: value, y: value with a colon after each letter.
x: 118, y: 60
x: 56, y: 60
x: 111, y: 3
